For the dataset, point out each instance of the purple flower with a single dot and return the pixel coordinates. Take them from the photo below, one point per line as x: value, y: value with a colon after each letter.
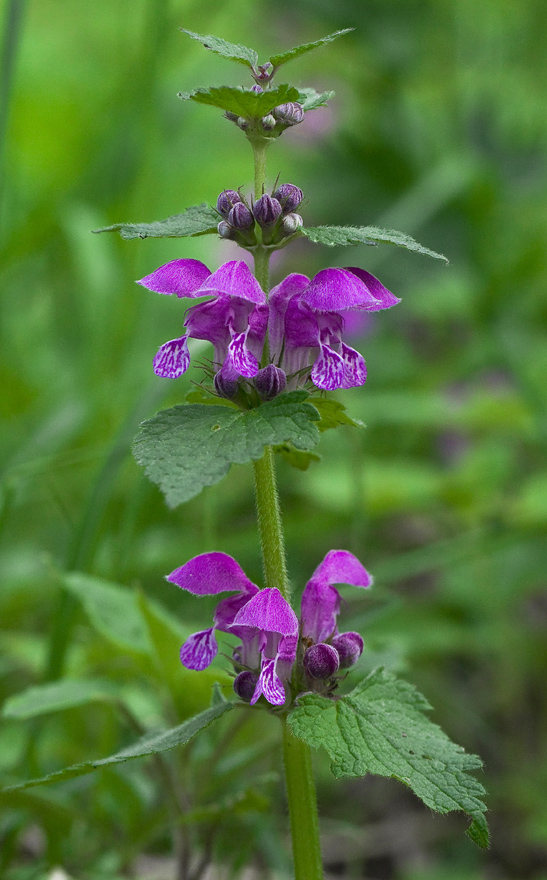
x: 269, y: 661
x: 305, y: 325
x: 207, y: 575
x: 234, y: 320
x: 321, y: 600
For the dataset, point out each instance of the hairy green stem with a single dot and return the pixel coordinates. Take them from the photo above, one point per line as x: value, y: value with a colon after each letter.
x: 269, y: 524
x: 302, y: 802
x: 301, y: 797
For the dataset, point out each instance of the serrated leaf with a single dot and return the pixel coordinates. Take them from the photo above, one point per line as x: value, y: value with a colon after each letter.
x: 234, y: 51
x: 54, y: 696
x: 186, y: 448
x: 298, y: 458
x: 201, y: 395
x: 333, y: 413
x: 243, y: 102
x: 310, y: 99
x: 113, y: 610
x: 380, y: 728
x: 197, y: 220
x: 283, y: 57
x: 335, y: 236
x: 148, y: 745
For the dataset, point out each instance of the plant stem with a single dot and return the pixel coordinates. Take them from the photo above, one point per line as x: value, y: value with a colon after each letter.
x: 302, y: 802
x: 270, y: 525
x: 301, y: 797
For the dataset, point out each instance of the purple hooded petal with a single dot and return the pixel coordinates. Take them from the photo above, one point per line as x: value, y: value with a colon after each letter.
x: 321, y: 600
x: 234, y: 279
x: 211, y: 573
x: 384, y: 297
x: 182, y: 277
x: 270, y: 685
x: 226, y: 610
x: 333, y: 290
x: 278, y: 302
x: 269, y: 612
x: 342, y: 567
x: 328, y: 370
x: 172, y: 359
x: 199, y: 650
x: 355, y: 371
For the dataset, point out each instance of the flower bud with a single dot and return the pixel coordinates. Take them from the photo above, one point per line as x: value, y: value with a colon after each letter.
x: 291, y: 224
x: 227, y: 388
x: 257, y: 89
x: 263, y: 73
x: 267, y: 211
x: 240, y: 217
x: 289, y: 114
x: 233, y: 117
x: 268, y: 122
x: 226, y: 201
x: 349, y: 646
x: 288, y: 196
x: 321, y: 661
x: 243, y: 123
x: 225, y: 230
x: 270, y: 382
x: 245, y: 684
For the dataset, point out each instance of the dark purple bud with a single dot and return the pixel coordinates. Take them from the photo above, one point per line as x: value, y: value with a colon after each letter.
x: 291, y: 223
x: 270, y: 382
x: 263, y: 73
x: 349, y: 646
x: 240, y: 217
x: 288, y: 196
x: 245, y: 684
x: 257, y: 89
x: 233, y: 117
x: 268, y: 123
x: 225, y: 230
x: 289, y: 114
x: 267, y: 211
x: 227, y: 200
x: 227, y: 388
x: 321, y: 661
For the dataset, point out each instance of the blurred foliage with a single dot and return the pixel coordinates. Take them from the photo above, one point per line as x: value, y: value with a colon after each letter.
x: 438, y: 129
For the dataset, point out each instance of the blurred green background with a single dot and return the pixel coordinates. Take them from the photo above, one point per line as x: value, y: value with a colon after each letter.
x: 439, y: 129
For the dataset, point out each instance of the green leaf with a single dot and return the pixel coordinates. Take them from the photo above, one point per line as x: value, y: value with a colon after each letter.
x: 298, y: 458
x: 207, y: 398
x: 234, y: 51
x: 148, y: 745
x: 188, y: 447
x: 197, y: 220
x: 310, y: 99
x: 333, y: 413
x: 380, y: 728
x: 113, y: 611
x: 283, y: 57
x: 343, y: 235
x: 54, y: 696
x: 243, y: 102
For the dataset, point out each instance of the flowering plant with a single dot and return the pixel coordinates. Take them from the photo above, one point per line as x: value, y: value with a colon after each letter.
x: 275, y: 352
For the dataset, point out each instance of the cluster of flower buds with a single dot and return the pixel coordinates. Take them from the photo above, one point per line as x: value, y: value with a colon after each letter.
x: 274, y: 214
x: 274, y: 123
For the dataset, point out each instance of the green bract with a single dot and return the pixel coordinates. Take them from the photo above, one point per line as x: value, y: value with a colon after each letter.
x: 342, y: 235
